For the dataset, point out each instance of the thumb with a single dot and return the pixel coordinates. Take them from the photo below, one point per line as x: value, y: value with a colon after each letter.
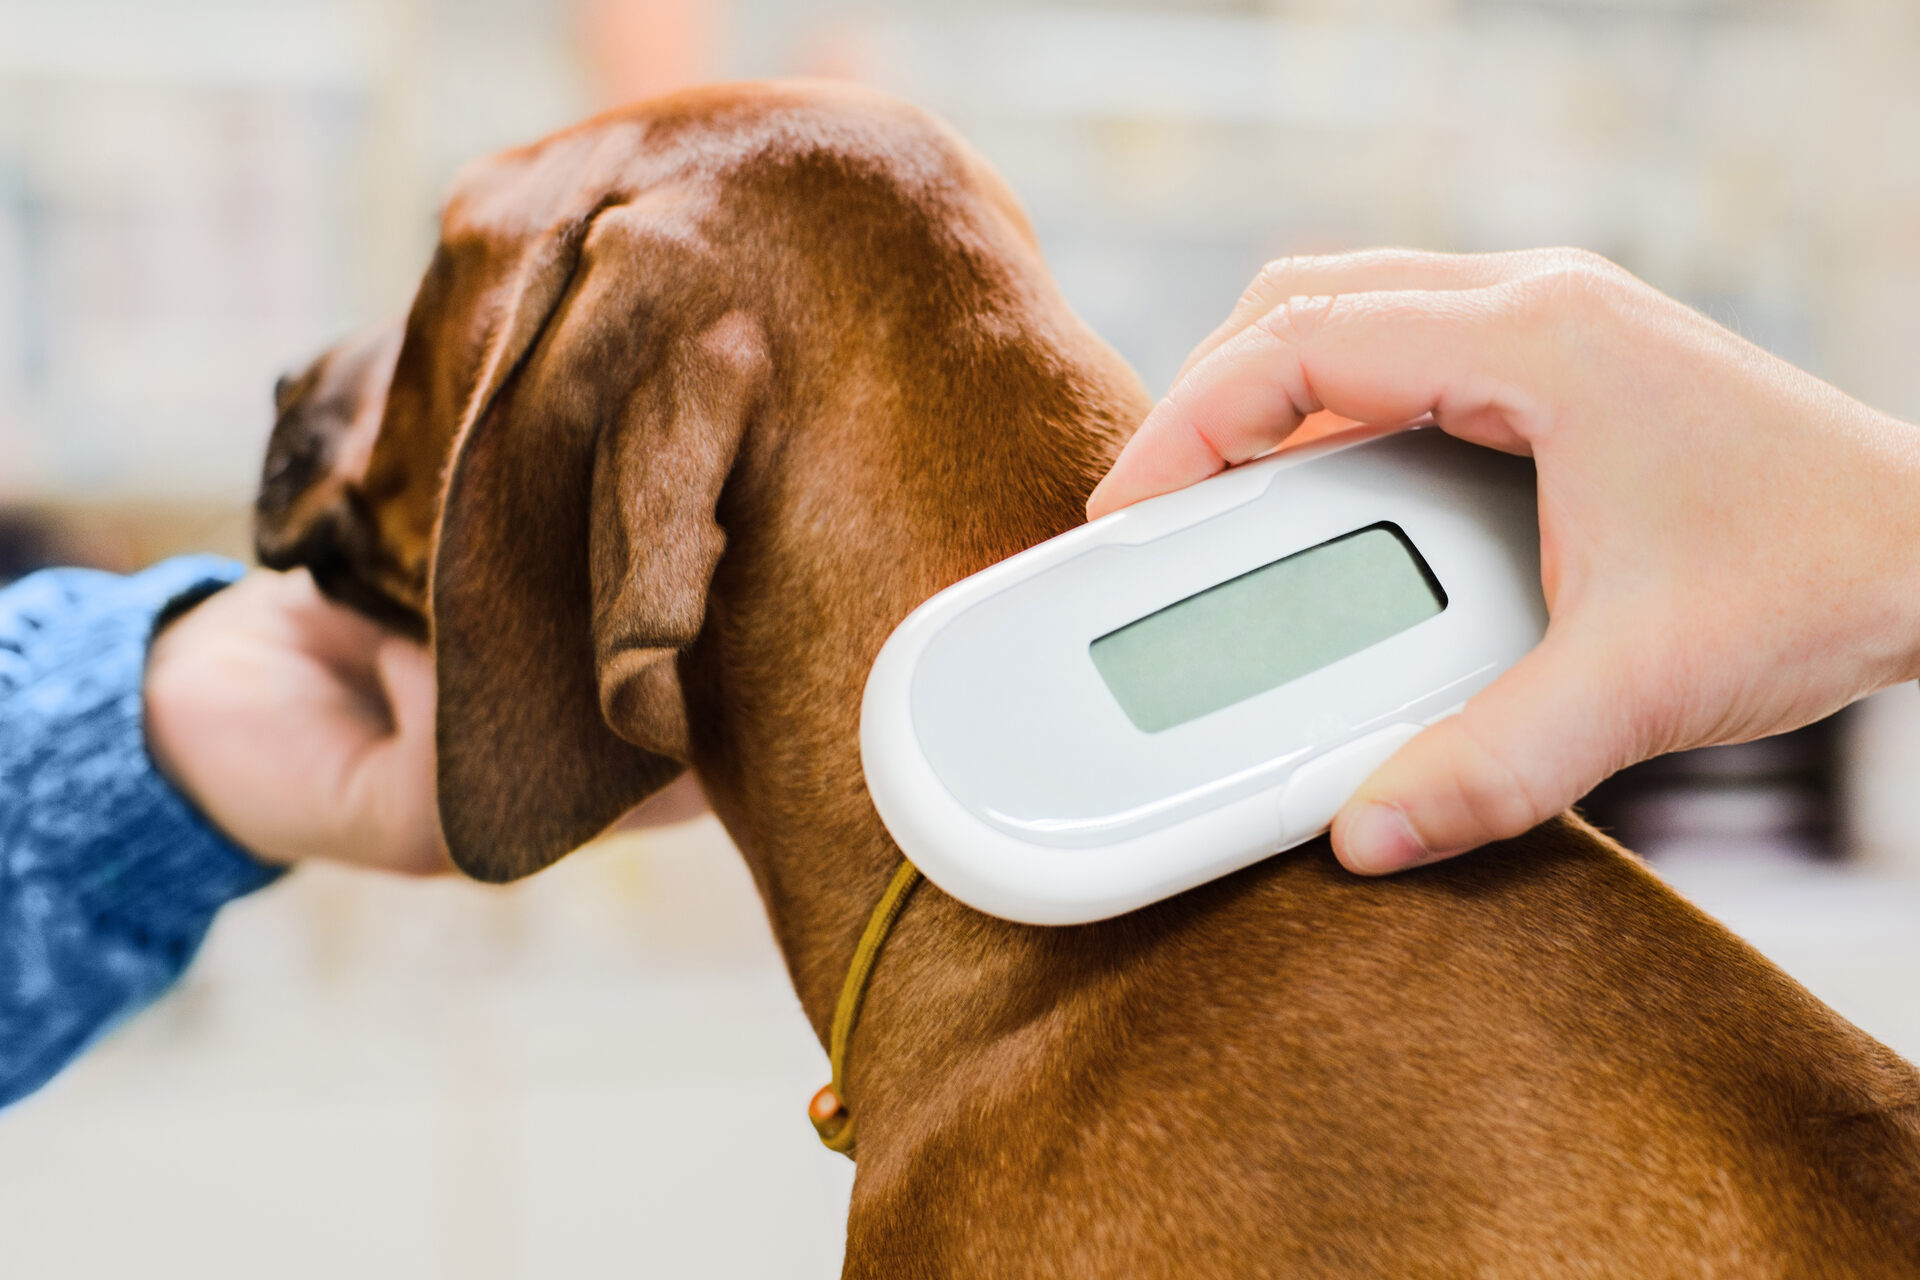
x: 1524, y: 748
x: 397, y: 779
x: 407, y: 680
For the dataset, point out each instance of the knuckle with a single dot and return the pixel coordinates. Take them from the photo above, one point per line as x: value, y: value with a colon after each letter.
x: 1593, y: 264
x: 1271, y: 272
x: 1568, y: 293
x: 1572, y: 258
x: 1271, y: 284
x: 1401, y: 256
x: 1277, y: 323
x: 1569, y: 279
x: 1569, y: 255
x: 1588, y: 276
x: 1295, y: 319
x: 1276, y: 272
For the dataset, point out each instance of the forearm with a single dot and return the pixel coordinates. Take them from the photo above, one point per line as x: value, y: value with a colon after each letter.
x: 108, y: 878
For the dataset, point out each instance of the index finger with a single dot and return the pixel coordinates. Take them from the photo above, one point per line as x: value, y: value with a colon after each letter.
x: 1383, y: 358
x: 1379, y: 270
x: 1369, y: 271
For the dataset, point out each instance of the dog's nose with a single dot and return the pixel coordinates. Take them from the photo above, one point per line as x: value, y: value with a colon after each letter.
x: 296, y: 459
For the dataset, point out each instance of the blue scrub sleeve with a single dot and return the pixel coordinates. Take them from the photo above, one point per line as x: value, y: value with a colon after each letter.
x: 109, y: 878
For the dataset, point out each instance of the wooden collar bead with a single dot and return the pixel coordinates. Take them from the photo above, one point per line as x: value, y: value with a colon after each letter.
x: 832, y: 1118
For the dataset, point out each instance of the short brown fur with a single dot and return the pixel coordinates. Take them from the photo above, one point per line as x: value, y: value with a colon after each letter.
x: 729, y: 382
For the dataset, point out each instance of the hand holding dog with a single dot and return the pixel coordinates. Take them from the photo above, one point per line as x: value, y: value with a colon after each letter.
x: 1730, y: 548
x: 300, y: 728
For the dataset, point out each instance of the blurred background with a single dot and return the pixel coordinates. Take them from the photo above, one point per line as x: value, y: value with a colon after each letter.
x: 603, y: 1071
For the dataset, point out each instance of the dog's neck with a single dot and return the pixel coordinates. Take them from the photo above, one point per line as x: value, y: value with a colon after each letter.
x: 854, y: 521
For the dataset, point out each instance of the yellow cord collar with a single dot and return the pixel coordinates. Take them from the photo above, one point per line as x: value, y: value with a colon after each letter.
x: 832, y: 1119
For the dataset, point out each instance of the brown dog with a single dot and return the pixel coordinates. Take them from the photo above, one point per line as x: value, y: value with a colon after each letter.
x: 695, y: 403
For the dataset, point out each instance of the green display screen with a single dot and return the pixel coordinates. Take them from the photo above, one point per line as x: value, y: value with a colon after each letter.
x: 1260, y: 630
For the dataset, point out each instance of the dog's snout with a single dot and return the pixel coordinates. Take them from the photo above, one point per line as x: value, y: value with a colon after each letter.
x: 289, y: 463
x: 313, y: 411
x: 297, y: 460
x: 337, y: 548
x: 310, y: 510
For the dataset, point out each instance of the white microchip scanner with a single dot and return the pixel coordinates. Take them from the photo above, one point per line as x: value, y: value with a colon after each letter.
x: 1189, y: 685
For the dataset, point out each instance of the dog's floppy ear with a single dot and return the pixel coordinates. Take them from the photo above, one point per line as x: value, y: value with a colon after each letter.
x: 578, y: 535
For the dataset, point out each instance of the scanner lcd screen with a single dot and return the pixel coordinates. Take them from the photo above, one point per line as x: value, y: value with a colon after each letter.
x: 1264, y: 628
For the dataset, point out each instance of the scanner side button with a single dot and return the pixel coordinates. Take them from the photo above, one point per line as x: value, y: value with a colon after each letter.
x: 1319, y: 787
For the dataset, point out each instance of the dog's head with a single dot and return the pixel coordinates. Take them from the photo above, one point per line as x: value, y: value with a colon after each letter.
x: 629, y: 331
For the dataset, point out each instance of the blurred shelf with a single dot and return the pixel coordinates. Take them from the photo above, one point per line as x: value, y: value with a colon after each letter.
x: 120, y: 536
x: 299, y: 44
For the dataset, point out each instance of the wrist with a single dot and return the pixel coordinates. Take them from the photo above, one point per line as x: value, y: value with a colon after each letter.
x: 159, y: 703
x: 167, y: 706
x: 1887, y: 513
x: 185, y: 704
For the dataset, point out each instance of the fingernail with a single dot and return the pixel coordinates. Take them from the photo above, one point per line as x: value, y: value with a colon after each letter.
x: 1378, y: 840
